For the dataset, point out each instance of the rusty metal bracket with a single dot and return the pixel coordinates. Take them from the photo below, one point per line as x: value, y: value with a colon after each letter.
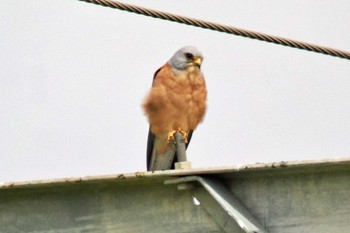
x: 233, y: 216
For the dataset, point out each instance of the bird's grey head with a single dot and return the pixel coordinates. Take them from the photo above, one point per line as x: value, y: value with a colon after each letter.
x: 186, y: 57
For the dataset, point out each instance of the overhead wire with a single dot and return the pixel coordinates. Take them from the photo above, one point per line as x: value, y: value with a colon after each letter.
x: 222, y: 28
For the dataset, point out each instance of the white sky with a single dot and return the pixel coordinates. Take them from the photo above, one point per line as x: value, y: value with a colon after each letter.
x: 73, y: 76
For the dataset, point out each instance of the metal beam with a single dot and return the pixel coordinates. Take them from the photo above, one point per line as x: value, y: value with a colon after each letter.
x: 241, y: 220
x: 284, y: 197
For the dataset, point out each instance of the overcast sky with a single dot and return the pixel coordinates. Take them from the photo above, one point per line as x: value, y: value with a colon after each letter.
x: 73, y: 76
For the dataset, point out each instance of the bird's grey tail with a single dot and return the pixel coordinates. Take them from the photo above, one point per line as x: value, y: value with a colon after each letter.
x: 162, y: 161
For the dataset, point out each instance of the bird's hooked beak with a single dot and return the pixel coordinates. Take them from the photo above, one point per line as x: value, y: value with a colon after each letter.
x: 197, y: 61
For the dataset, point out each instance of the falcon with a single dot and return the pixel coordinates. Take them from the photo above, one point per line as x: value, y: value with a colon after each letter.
x: 175, y: 103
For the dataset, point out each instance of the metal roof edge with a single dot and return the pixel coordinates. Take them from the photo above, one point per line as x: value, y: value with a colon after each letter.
x: 344, y: 161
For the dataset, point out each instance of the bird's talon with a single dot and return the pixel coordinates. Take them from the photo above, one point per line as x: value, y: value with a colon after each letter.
x: 171, y: 136
x: 184, y: 135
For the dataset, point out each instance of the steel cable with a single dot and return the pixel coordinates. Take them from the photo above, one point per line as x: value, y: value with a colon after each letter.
x: 222, y: 28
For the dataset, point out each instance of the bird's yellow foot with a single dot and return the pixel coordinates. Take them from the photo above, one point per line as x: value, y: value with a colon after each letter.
x: 184, y: 135
x: 171, y: 136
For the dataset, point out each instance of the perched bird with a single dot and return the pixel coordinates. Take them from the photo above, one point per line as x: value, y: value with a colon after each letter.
x: 176, y: 103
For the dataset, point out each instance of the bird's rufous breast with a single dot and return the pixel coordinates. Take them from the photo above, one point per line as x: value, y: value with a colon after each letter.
x: 176, y: 100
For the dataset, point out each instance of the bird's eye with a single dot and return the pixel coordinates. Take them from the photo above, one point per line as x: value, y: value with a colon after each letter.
x: 189, y: 55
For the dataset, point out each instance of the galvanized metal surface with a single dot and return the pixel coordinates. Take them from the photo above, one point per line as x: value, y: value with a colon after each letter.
x: 123, y: 206
x: 237, y: 218
x: 297, y: 200
x: 286, y: 197
x: 283, y: 165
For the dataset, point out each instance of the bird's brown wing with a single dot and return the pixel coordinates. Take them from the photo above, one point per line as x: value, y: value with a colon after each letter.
x: 151, y: 136
x: 150, y: 143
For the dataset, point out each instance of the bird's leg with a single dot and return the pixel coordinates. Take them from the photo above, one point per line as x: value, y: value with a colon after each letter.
x: 184, y: 134
x: 171, y: 136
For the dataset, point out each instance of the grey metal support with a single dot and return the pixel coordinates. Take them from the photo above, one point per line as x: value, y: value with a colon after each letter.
x: 235, y: 218
x: 285, y: 197
x: 175, y: 148
x: 181, y: 152
x: 180, y: 147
